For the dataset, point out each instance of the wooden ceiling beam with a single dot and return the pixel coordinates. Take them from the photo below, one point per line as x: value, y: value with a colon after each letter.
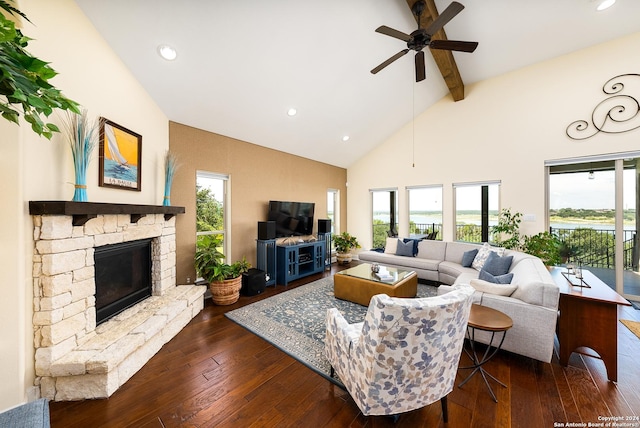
x: 443, y: 58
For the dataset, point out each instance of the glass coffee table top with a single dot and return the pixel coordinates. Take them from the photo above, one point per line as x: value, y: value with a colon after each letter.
x: 385, y: 275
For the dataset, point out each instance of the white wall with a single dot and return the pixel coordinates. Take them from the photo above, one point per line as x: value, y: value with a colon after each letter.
x: 504, y: 129
x: 33, y: 168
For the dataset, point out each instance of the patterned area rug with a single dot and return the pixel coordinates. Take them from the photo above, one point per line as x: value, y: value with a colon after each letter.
x: 634, y: 326
x: 294, y: 321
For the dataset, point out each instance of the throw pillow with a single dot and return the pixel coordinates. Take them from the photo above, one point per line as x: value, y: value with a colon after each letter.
x: 491, y: 288
x: 483, y: 253
x: 468, y: 257
x: 497, y: 265
x: 415, y: 243
x: 391, y: 245
x: 404, y: 249
x: 496, y: 279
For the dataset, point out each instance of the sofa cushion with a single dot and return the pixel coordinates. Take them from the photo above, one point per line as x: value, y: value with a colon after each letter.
x: 404, y: 249
x: 496, y: 279
x: 432, y: 250
x: 455, y: 250
x: 492, y: 288
x: 497, y: 265
x: 391, y: 245
x: 468, y: 257
x: 483, y: 254
x: 455, y: 269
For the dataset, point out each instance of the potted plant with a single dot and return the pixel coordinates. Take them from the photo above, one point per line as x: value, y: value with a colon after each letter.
x: 507, y: 232
x: 344, y: 243
x: 545, y: 246
x: 225, y: 280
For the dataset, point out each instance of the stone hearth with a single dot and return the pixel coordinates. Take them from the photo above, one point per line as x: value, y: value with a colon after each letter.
x: 76, y: 360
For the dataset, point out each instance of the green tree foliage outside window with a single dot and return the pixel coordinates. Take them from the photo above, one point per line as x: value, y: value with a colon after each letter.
x: 24, y: 79
x: 209, y: 211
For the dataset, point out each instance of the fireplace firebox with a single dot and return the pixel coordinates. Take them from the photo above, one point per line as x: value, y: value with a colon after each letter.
x: 122, y: 276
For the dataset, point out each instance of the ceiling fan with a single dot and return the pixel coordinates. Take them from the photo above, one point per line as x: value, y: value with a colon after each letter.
x: 421, y: 38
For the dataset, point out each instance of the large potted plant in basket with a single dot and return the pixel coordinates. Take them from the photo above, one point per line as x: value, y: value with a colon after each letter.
x: 225, y: 280
x: 344, y: 243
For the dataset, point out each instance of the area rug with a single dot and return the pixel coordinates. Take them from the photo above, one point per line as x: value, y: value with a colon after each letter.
x: 295, y: 321
x: 634, y: 326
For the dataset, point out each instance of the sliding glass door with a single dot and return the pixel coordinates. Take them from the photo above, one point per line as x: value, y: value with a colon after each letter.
x: 593, y: 209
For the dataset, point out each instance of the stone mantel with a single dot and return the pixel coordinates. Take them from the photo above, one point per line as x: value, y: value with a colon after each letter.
x: 85, y: 211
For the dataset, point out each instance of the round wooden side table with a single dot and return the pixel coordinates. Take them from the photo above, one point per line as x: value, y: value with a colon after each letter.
x: 493, y: 321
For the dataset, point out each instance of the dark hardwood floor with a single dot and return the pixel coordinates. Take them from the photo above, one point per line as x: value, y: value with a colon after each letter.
x: 216, y: 373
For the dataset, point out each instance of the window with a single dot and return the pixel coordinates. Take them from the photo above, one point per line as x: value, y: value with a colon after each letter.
x: 211, y: 207
x: 425, y: 211
x: 384, y: 204
x: 477, y: 207
x: 333, y: 209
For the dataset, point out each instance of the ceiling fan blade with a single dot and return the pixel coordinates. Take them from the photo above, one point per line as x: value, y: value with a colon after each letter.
x: 453, y: 45
x: 420, y: 69
x: 447, y: 15
x: 390, y: 60
x: 388, y: 31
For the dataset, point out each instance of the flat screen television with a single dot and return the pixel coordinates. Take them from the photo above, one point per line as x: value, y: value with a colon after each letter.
x: 292, y: 218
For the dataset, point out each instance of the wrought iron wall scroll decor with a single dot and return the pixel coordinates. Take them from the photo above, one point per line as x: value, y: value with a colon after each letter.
x: 616, y: 114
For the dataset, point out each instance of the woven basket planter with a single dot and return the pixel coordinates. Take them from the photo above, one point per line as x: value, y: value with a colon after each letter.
x: 226, y: 292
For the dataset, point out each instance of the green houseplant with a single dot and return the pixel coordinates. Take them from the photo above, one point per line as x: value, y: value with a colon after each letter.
x: 344, y: 243
x: 24, y: 79
x: 506, y: 233
x: 225, y: 280
x: 545, y: 246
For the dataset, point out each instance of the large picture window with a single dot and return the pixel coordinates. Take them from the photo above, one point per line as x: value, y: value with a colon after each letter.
x: 477, y: 206
x: 425, y: 211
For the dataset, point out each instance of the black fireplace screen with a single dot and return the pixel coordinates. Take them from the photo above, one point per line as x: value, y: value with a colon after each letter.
x: 123, y: 277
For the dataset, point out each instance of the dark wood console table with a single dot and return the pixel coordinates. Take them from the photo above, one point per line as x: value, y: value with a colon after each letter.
x: 588, y: 318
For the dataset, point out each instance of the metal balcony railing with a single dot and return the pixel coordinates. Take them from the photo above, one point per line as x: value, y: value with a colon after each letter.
x: 596, y: 247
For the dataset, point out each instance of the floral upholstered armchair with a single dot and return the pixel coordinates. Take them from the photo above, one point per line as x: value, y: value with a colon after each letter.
x: 405, y: 354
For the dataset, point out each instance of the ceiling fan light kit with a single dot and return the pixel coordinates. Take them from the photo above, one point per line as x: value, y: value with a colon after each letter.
x: 422, y: 38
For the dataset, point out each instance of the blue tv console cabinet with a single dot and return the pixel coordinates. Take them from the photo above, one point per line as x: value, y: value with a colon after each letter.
x: 299, y: 260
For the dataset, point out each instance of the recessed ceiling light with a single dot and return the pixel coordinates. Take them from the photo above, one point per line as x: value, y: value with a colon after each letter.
x: 292, y: 112
x: 345, y: 138
x: 167, y: 52
x: 605, y: 4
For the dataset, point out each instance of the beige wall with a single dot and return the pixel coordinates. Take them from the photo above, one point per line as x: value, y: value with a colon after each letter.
x: 504, y: 130
x: 257, y: 175
x: 34, y: 168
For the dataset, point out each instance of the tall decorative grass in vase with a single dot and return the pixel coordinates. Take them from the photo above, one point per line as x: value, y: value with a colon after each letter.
x: 170, y: 167
x: 82, y: 135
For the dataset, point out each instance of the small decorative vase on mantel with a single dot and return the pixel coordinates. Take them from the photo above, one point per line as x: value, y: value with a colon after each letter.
x: 170, y: 167
x: 82, y: 136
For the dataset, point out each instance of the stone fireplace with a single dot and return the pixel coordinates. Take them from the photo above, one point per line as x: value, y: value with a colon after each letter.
x: 76, y: 358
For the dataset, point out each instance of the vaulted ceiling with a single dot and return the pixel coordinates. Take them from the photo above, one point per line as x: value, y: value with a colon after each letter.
x: 241, y: 65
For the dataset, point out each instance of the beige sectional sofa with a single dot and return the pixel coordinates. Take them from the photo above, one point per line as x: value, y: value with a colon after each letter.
x: 533, y: 305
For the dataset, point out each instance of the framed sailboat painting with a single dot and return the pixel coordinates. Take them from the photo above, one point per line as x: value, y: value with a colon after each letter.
x: 120, y: 157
